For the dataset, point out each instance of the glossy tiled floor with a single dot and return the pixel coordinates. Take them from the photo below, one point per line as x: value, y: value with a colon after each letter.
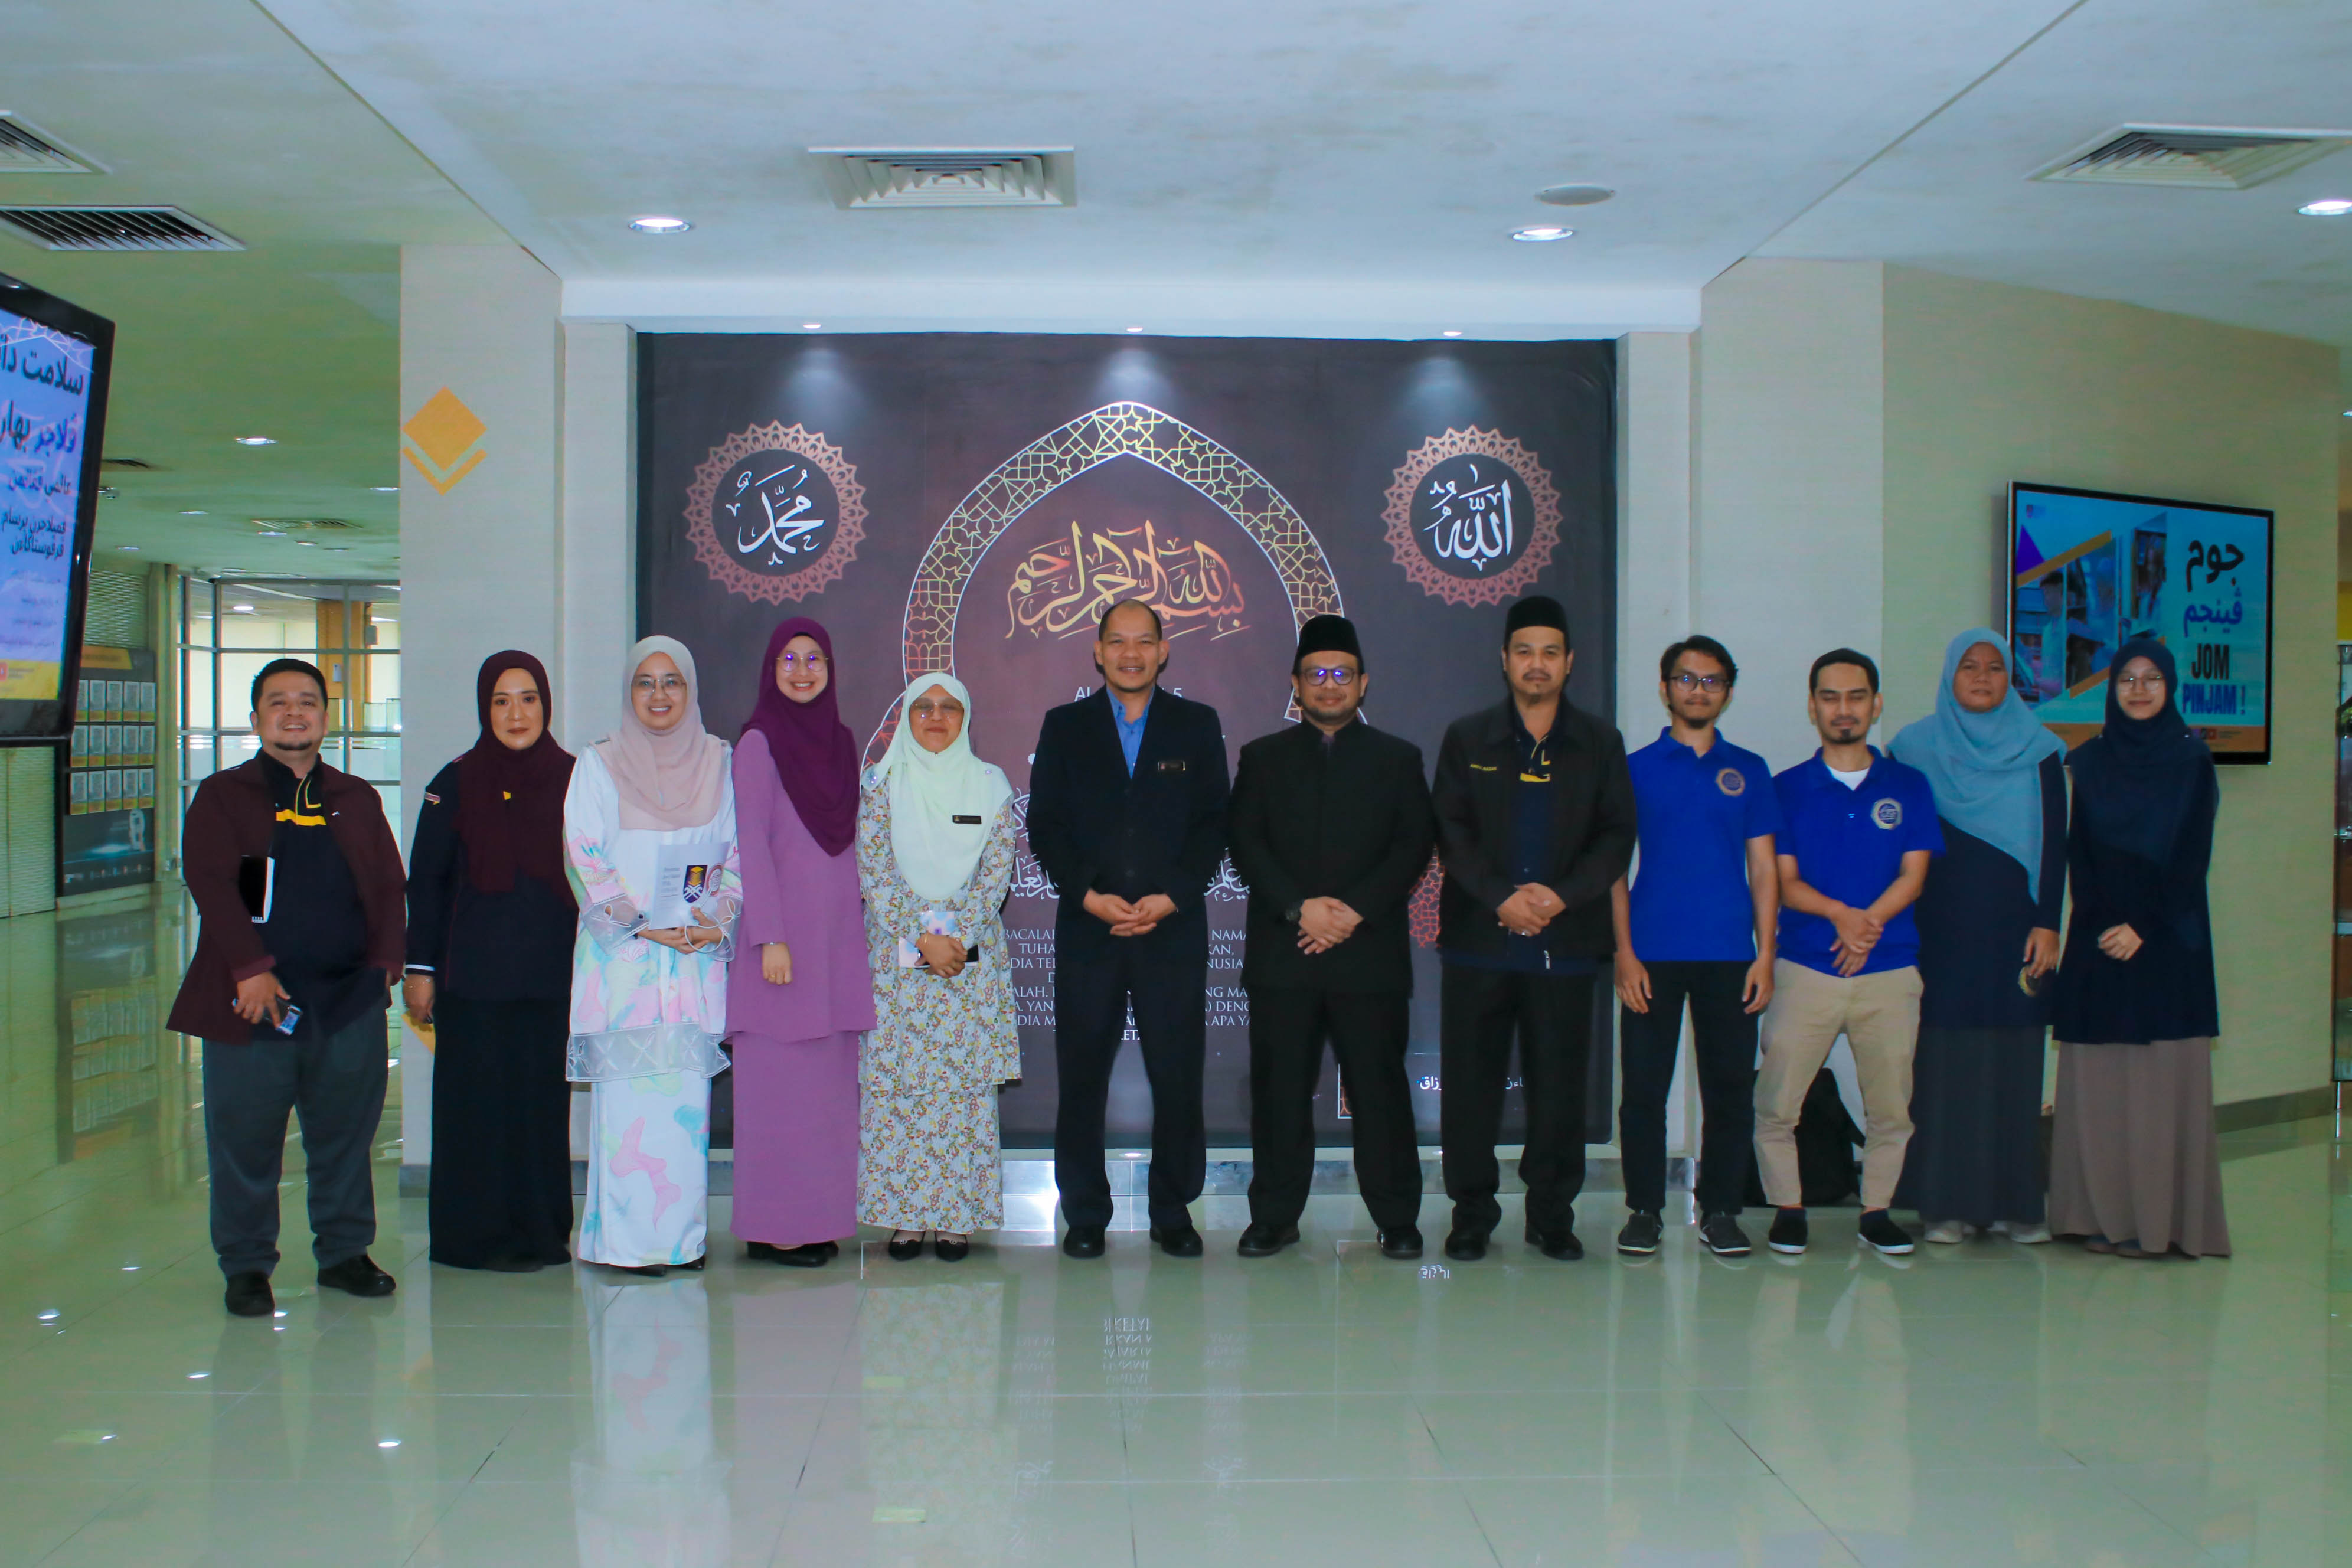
x: 1981, y: 1404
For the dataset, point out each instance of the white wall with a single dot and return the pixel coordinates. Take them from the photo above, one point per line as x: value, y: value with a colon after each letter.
x: 598, y: 539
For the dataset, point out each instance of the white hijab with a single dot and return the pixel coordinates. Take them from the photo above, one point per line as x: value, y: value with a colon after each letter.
x: 930, y: 789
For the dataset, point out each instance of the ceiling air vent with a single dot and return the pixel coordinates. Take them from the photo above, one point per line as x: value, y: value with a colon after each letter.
x: 305, y: 524
x: 114, y: 229
x: 2210, y: 157
x: 25, y: 151
x: 949, y: 176
x: 130, y: 465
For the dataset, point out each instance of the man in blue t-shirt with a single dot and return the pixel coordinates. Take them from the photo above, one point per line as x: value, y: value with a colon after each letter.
x: 1858, y: 829
x: 1697, y: 926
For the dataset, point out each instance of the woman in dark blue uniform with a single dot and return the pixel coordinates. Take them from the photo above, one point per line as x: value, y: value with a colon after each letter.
x: 1988, y: 942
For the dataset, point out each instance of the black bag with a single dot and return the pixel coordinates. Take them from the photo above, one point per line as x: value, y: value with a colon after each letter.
x: 1828, y: 1175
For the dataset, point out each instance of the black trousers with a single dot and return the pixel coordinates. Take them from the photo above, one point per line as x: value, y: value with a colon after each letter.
x: 1723, y: 1037
x: 336, y: 1085
x: 1171, y: 997
x: 501, y: 1132
x: 1481, y: 1011
x: 1367, y: 1030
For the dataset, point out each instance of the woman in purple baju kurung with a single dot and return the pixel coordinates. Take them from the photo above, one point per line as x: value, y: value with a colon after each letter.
x: 800, y: 992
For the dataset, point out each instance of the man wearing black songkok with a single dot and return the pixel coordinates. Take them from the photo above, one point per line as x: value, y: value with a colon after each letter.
x: 1331, y: 827
x: 1535, y: 824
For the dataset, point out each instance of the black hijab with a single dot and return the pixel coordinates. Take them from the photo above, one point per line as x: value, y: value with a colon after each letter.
x: 510, y: 802
x: 2147, y: 774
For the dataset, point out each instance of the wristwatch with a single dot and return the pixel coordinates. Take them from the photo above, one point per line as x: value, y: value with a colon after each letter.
x: 1292, y: 914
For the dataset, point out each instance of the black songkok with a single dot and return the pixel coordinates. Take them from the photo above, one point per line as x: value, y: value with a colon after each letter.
x: 1537, y: 610
x: 1327, y: 634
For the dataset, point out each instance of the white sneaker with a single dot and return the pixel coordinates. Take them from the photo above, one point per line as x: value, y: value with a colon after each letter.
x: 2033, y: 1235
x: 1948, y: 1232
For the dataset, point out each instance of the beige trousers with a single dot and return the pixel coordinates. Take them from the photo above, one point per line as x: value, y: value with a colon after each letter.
x: 1879, y: 1015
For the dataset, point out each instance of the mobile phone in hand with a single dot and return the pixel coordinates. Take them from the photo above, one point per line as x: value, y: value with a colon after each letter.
x: 289, y: 1019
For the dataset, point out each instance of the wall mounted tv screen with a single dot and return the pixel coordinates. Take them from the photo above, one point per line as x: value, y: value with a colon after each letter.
x: 53, y: 359
x: 2089, y: 570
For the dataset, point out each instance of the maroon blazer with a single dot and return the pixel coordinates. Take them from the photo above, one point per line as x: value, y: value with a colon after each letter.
x: 231, y: 817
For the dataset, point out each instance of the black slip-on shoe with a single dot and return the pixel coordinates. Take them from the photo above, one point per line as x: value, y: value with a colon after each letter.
x: 905, y: 1249
x: 1643, y: 1233
x: 1083, y: 1241
x: 1788, y: 1231
x: 1721, y: 1235
x: 1265, y: 1240
x: 358, y: 1276
x: 1561, y: 1245
x: 1878, y: 1229
x: 1466, y: 1245
x: 952, y: 1248
x: 1401, y: 1241
x: 1177, y: 1240
x: 249, y: 1295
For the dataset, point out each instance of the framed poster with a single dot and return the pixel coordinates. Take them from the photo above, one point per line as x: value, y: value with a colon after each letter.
x: 2089, y: 570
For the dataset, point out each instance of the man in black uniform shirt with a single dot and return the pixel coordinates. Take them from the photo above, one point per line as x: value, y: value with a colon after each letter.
x: 297, y: 881
x: 1127, y: 815
x: 1331, y: 829
x: 1535, y: 824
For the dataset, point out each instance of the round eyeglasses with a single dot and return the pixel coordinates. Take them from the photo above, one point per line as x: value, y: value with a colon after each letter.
x: 1322, y: 677
x: 812, y: 662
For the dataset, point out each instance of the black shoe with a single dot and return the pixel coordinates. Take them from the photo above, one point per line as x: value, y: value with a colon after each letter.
x: 952, y: 1248
x: 1722, y: 1235
x: 1177, y: 1240
x: 249, y: 1295
x: 1643, y: 1233
x: 1787, y: 1232
x: 693, y: 1264
x: 905, y: 1249
x: 809, y: 1255
x: 1401, y: 1241
x: 514, y: 1265
x: 643, y: 1270
x: 1466, y: 1245
x: 358, y: 1276
x: 1559, y: 1243
x: 1878, y: 1229
x: 1265, y: 1240
x: 1083, y: 1241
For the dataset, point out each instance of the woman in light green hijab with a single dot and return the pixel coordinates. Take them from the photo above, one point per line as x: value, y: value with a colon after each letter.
x: 935, y: 858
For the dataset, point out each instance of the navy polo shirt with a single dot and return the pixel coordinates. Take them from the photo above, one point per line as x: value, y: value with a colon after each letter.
x: 1689, y: 899
x: 1849, y: 843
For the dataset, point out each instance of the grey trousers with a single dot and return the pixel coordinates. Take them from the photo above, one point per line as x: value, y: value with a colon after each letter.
x: 336, y: 1085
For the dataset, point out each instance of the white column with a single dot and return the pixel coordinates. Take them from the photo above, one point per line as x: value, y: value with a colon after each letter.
x: 598, y: 543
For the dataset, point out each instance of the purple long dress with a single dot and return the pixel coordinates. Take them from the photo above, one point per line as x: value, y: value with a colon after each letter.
x: 795, y: 1047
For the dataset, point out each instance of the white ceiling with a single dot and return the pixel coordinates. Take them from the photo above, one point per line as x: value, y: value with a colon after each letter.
x: 1344, y: 168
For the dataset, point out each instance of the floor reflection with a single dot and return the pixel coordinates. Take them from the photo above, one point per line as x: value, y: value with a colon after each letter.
x: 651, y: 1489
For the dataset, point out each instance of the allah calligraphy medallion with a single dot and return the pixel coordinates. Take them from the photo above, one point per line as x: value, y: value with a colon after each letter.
x: 775, y: 512
x: 1471, y: 516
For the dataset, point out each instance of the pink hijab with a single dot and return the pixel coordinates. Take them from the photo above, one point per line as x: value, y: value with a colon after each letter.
x: 665, y: 781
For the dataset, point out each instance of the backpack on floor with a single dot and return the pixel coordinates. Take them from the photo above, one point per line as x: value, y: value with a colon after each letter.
x: 1828, y: 1175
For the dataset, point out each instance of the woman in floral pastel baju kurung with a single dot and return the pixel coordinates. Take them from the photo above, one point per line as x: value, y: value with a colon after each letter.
x: 646, y: 1019
x: 927, y: 1155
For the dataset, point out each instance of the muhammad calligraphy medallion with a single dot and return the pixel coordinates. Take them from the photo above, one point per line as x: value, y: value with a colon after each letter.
x: 1473, y: 517
x: 775, y: 512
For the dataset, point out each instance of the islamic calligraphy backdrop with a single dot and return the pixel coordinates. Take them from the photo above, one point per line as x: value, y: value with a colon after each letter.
x: 972, y: 502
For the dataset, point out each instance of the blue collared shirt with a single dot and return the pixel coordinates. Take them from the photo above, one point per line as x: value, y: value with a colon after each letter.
x: 1849, y: 845
x: 1130, y: 736
x: 1689, y: 899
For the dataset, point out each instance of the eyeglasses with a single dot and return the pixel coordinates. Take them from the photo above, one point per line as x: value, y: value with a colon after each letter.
x: 2151, y: 681
x: 1689, y: 682
x: 937, y: 709
x: 813, y: 662
x: 1322, y: 677
x: 659, y: 683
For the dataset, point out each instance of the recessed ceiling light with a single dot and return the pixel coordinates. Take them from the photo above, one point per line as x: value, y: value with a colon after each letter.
x: 812, y: 326
x: 385, y: 489
x: 1573, y: 195
x: 1135, y: 328
x: 2331, y: 206
x: 242, y: 609
x: 256, y: 441
x: 389, y: 1443
x: 659, y: 225
x: 1452, y: 333
x: 1541, y: 233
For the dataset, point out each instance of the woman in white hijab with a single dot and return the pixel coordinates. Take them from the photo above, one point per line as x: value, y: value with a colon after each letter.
x: 935, y: 857
x: 649, y: 831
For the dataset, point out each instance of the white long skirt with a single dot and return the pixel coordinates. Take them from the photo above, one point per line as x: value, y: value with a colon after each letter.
x: 648, y: 1170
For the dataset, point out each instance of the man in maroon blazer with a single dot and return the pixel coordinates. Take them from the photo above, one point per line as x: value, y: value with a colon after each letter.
x: 298, y: 887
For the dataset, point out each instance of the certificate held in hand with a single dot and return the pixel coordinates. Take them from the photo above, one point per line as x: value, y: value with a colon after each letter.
x: 686, y: 877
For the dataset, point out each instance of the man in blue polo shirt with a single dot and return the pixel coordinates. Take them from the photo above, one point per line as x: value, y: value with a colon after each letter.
x: 1858, y: 831
x: 1697, y: 926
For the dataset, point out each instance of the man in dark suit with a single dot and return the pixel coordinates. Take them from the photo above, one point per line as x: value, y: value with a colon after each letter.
x: 1127, y: 815
x: 1535, y: 824
x: 1331, y: 829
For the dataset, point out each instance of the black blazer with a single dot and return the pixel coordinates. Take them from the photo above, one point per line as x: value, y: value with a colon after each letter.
x: 1094, y: 829
x: 1591, y: 829
x: 1349, y: 821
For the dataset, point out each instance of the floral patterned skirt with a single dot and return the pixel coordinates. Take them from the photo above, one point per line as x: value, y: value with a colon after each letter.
x: 930, y: 1161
